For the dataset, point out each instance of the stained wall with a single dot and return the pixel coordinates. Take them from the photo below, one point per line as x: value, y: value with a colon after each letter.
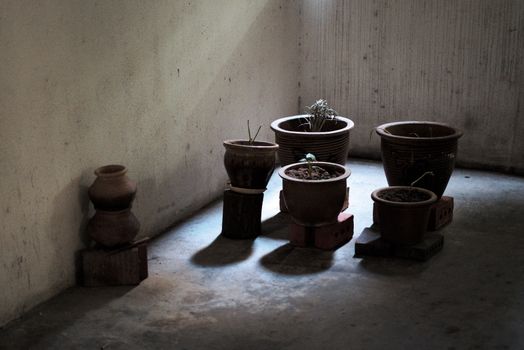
x: 458, y: 62
x: 154, y: 85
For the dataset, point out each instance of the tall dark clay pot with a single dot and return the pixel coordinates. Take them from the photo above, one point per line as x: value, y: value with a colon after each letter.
x: 112, y: 190
x: 411, y: 148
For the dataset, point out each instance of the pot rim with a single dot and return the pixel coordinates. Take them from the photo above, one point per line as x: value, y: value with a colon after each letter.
x: 259, y: 145
x: 380, y: 130
x: 111, y: 170
x: 432, y: 199
x: 275, y: 126
x: 284, y: 176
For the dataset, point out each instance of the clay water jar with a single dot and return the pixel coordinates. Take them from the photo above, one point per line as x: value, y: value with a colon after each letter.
x: 112, y: 190
x: 249, y: 166
x: 113, y: 228
x: 411, y: 148
x: 314, y: 202
x: 331, y: 145
x: 403, y: 222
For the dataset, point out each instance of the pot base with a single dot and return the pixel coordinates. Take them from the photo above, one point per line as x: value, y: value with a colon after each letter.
x: 370, y: 243
x: 441, y: 213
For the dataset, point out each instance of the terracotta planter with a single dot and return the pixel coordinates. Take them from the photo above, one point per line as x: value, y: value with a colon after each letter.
x: 327, y: 146
x: 403, y: 222
x: 112, y: 189
x: 409, y: 149
x: 249, y: 167
x: 113, y: 228
x: 314, y: 202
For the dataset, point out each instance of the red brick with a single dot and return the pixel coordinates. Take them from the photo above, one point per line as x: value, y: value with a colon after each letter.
x: 333, y: 236
x: 441, y: 213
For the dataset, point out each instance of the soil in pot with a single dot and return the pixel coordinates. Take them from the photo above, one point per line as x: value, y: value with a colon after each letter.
x: 317, y: 173
x: 404, y: 195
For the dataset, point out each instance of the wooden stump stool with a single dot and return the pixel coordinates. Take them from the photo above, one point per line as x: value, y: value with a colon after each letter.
x: 126, y: 265
x: 241, y: 215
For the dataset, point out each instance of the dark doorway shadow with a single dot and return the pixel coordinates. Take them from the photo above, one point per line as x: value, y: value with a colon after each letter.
x: 223, y: 251
x: 291, y: 260
x: 276, y: 226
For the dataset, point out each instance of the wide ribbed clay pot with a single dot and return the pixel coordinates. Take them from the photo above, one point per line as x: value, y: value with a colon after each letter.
x: 113, y: 228
x: 403, y: 213
x: 249, y: 166
x: 331, y: 145
x: 314, y: 202
x: 411, y: 148
x: 112, y: 189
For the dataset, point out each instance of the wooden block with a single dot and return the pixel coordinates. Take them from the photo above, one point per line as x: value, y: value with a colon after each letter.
x: 441, y: 213
x: 327, y: 237
x: 125, y: 265
x: 369, y: 243
x: 333, y: 236
x: 241, y: 218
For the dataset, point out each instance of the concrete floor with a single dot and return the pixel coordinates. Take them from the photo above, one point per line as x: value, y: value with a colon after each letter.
x: 208, y: 292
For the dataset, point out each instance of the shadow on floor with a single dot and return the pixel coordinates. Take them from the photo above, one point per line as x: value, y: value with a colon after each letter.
x: 291, y: 260
x: 223, y: 251
x: 391, y: 266
x: 276, y: 226
x: 44, y: 326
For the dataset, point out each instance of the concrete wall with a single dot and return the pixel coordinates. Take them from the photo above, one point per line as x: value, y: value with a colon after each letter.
x: 154, y: 85
x: 459, y: 62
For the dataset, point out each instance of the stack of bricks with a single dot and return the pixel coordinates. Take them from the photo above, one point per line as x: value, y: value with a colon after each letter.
x: 327, y: 237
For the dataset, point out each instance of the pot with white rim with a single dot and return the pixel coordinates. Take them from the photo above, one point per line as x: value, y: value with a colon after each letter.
x: 329, y: 145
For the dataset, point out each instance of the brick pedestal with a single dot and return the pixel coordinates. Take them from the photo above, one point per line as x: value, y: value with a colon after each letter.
x: 328, y: 237
x: 369, y: 243
x: 441, y: 213
x: 126, y: 265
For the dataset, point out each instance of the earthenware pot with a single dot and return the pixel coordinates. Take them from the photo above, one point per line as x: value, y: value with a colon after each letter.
x: 402, y: 221
x: 314, y: 202
x: 331, y: 145
x: 249, y: 166
x: 112, y: 189
x: 411, y: 148
x: 113, y: 228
